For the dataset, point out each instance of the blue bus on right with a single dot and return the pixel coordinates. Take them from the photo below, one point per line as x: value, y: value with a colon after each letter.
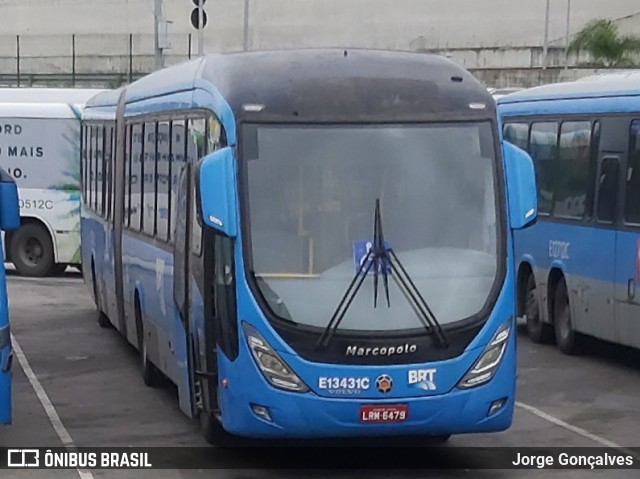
x: 578, y: 268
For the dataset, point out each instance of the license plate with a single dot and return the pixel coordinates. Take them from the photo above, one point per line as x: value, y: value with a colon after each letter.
x: 386, y: 413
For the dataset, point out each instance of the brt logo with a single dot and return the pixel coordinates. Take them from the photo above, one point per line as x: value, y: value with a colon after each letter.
x: 423, y: 379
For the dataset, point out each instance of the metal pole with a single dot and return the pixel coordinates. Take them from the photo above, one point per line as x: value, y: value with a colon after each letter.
x: 73, y: 60
x: 566, y: 43
x: 200, y: 28
x: 545, y: 48
x: 245, y: 27
x: 130, y: 57
x: 18, y: 59
x: 157, y: 15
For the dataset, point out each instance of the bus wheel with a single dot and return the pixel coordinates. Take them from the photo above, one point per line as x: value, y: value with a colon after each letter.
x: 103, y: 319
x: 151, y: 376
x: 32, y: 250
x: 537, y: 330
x: 212, y: 430
x: 566, y: 337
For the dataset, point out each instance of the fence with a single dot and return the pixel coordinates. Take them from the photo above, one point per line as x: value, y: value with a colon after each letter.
x: 84, y: 60
x: 108, y: 61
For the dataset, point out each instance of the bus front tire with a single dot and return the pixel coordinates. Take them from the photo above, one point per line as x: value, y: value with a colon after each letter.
x: 212, y: 430
x: 537, y: 330
x: 567, y: 338
x: 32, y: 250
x: 151, y: 375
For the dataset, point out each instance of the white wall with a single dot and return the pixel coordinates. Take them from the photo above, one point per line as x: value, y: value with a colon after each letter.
x: 289, y: 23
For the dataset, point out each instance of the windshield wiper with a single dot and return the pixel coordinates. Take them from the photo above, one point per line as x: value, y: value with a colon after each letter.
x: 384, y: 261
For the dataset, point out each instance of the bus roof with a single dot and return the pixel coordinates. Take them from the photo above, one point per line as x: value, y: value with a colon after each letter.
x: 596, y: 86
x: 47, y: 95
x: 316, y: 84
x: 43, y: 102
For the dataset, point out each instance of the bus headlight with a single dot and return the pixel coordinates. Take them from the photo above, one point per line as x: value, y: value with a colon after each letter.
x: 487, y: 364
x: 272, y: 366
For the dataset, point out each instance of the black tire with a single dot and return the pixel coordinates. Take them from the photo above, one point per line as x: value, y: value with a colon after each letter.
x: 151, y: 375
x: 31, y: 250
x: 212, y: 430
x: 103, y: 319
x: 566, y: 337
x: 537, y: 330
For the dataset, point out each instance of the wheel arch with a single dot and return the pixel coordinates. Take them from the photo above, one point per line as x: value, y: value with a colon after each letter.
x: 24, y: 220
x: 525, y: 271
x: 556, y: 275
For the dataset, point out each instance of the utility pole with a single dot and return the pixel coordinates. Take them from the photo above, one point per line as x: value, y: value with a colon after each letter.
x: 201, y: 27
x: 245, y: 28
x: 566, y: 43
x: 545, y: 48
x: 157, y: 18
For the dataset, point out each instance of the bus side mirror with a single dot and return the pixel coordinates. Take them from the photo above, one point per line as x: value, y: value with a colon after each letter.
x: 217, y: 191
x: 9, y: 206
x: 521, y: 186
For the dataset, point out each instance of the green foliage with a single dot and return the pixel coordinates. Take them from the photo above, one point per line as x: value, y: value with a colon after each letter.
x: 607, y: 47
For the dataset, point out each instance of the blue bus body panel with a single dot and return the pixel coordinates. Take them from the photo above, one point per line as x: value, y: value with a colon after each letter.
x: 447, y: 410
x: 5, y: 351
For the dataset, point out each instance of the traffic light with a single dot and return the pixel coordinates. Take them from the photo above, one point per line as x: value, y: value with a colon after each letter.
x: 195, y: 14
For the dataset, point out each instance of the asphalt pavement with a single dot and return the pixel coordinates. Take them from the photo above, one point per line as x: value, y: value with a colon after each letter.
x: 88, y: 378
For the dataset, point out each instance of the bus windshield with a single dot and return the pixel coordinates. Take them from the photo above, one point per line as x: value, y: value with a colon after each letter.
x: 311, y: 197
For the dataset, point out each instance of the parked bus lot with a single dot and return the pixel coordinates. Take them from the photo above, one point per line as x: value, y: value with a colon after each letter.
x: 91, y: 378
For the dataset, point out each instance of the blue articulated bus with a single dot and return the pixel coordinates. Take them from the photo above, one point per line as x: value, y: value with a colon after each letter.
x: 310, y: 243
x: 9, y: 220
x: 579, y: 267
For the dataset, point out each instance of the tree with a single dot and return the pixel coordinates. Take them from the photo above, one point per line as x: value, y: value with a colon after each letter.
x: 607, y: 47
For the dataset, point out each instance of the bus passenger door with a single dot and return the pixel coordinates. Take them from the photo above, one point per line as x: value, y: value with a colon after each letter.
x: 180, y: 253
x: 600, y: 265
x: 628, y: 246
x: 192, y: 296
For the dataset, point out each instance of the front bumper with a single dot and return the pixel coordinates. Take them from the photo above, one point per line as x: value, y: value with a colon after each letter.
x: 308, y: 415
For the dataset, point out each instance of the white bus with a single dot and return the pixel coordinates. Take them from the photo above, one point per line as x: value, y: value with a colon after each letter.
x: 40, y: 148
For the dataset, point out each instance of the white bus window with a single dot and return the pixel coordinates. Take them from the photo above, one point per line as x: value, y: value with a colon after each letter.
x: 137, y: 133
x: 149, y: 180
x: 163, y: 181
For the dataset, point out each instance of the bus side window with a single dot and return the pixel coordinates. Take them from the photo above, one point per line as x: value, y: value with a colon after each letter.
x: 632, y: 189
x: 195, y: 148
x: 83, y: 163
x: 176, y: 164
x: 517, y: 134
x: 162, y: 181
x: 135, y: 166
x: 149, y: 179
x: 607, y: 189
x: 127, y: 173
x: 543, y: 148
x: 572, y: 169
x: 108, y: 160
